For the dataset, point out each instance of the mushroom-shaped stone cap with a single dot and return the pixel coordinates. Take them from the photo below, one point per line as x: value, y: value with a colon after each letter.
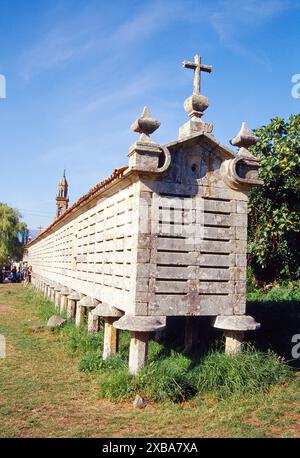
x: 141, y: 323
x: 58, y: 288
x: 236, y: 323
x: 75, y: 296
x: 88, y: 302
x: 65, y: 291
x: 107, y: 311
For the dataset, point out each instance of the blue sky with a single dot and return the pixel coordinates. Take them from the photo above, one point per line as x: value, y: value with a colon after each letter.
x: 78, y: 73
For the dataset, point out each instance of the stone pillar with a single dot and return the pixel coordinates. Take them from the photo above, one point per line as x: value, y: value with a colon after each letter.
x: 80, y: 314
x: 234, y: 327
x: 46, y: 289
x: 111, y: 338
x: 111, y: 335
x: 233, y: 341
x: 93, y: 322
x: 138, y: 351
x: 57, y: 291
x: 191, y: 333
x: 52, y: 293
x: 140, y: 327
x: 49, y: 289
x: 87, y: 305
x: 73, y: 298
x: 64, y: 293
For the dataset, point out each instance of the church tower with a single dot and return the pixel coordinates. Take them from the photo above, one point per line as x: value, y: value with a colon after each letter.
x: 62, y: 199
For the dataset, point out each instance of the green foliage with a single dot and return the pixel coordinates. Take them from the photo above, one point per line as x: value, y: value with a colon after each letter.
x: 116, y: 385
x: 11, y: 231
x: 45, y: 308
x: 175, y: 377
x: 79, y: 342
x: 168, y: 378
x: 170, y: 375
x: 248, y: 372
x: 92, y: 361
x: 274, y: 217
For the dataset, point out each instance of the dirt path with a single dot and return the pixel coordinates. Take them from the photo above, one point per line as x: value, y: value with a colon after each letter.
x: 43, y: 394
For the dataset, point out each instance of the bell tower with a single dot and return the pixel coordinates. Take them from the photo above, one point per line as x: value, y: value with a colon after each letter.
x: 62, y: 199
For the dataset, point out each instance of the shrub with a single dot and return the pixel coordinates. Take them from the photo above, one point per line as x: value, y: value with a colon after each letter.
x: 274, y: 218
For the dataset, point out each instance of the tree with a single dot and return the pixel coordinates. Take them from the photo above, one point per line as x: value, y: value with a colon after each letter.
x: 12, y: 232
x: 274, y: 217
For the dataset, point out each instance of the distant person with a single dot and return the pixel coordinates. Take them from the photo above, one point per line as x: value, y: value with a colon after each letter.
x: 19, y: 275
x: 29, y: 274
x: 14, y: 274
x: 25, y: 276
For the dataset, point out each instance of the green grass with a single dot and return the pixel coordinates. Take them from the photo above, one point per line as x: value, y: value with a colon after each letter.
x: 170, y: 375
x: 44, y: 394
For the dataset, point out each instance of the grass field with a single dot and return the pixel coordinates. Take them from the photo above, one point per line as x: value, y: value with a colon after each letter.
x: 44, y: 394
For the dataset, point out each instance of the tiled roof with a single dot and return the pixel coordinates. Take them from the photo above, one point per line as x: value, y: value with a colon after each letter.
x: 117, y: 174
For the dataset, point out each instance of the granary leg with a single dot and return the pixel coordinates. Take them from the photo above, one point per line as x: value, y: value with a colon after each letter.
x: 73, y: 298
x: 63, y: 303
x: 191, y: 334
x: 93, y: 322
x: 71, y: 308
x: 57, y: 297
x: 233, y: 341
x: 84, y: 307
x: 64, y: 293
x: 140, y: 327
x: 80, y: 313
x: 49, y: 292
x: 111, y: 338
x: 57, y: 300
x: 138, y: 351
x: 234, y: 327
x: 46, y: 290
x: 52, y: 294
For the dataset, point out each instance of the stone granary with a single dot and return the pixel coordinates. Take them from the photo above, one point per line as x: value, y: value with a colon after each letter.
x: 164, y: 236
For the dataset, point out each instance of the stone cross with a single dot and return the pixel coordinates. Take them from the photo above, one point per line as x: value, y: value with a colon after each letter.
x: 198, y: 68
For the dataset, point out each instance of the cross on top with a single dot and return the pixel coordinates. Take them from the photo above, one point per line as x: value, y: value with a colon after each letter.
x: 198, y: 68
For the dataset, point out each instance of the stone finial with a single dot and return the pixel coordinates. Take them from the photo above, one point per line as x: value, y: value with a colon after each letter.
x: 245, y: 137
x: 196, y: 104
x: 144, y: 154
x: 145, y: 125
